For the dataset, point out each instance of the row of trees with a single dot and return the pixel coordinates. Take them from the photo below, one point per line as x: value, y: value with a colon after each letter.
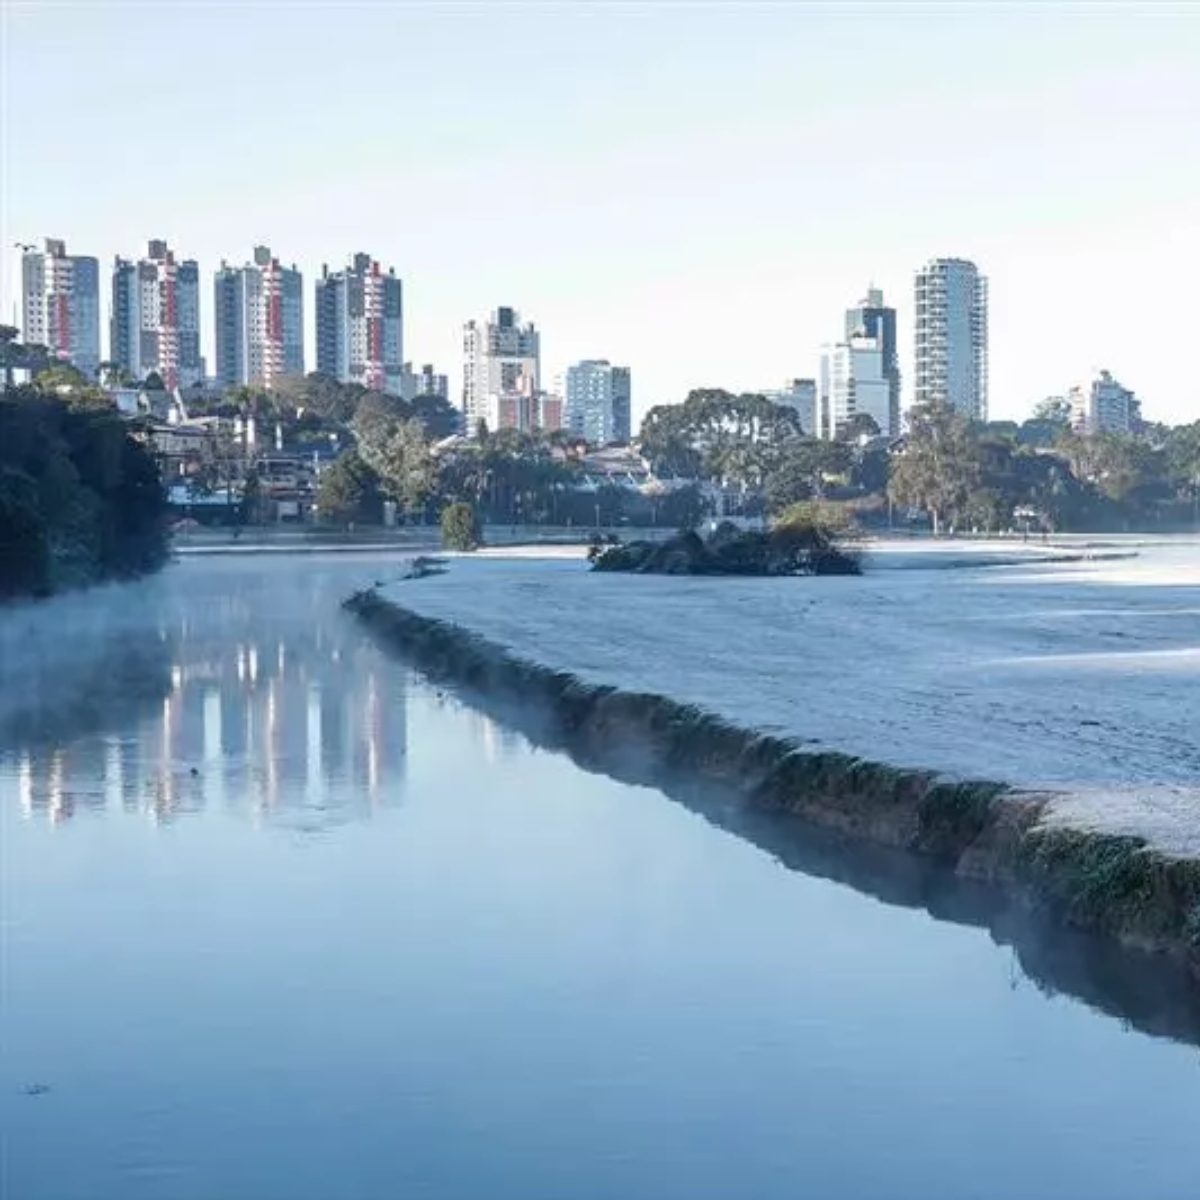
x: 750, y: 444
x: 968, y: 475
x: 506, y: 478
x: 80, y: 499
x: 958, y: 473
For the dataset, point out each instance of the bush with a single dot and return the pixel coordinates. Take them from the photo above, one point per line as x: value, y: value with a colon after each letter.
x: 460, y: 527
x: 828, y: 520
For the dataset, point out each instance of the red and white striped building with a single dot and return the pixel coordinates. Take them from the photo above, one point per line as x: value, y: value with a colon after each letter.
x: 61, y: 304
x: 156, y: 317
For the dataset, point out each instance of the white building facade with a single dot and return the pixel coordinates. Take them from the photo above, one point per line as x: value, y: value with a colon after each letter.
x: 501, y: 367
x: 61, y: 304
x: 951, y: 337
x: 259, y: 315
x: 800, y: 395
x: 853, y: 381
x: 360, y: 325
x: 598, y: 401
x: 1104, y: 406
x: 155, y: 323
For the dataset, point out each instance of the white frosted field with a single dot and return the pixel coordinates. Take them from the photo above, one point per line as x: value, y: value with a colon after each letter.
x: 1080, y: 678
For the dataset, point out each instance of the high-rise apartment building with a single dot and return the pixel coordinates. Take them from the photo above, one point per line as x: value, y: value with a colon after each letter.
x: 360, y: 325
x: 872, y: 318
x: 424, y: 381
x: 259, y: 313
x: 951, y: 337
x: 526, y: 410
x: 1104, y: 406
x: 598, y: 402
x: 501, y: 363
x: 853, y: 382
x: 156, y: 317
x: 61, y: 304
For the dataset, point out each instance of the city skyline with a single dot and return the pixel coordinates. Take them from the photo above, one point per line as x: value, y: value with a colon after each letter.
x: 156, y: 320
x: 735, y: 222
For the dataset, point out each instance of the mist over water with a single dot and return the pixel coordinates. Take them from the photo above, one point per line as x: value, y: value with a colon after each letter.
x: 280, y: 920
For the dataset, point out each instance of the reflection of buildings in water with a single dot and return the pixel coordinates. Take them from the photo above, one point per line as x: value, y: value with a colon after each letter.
x: 306, y: 722
x: 25, y: 784
x: 500, y: 744
x: 271, y: 708
x: 59, y: 782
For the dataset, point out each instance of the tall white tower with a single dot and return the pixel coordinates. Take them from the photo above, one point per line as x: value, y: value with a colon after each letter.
x: 951, y: 336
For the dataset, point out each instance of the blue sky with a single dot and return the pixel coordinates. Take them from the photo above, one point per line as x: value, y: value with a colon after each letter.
x: 698, y: 190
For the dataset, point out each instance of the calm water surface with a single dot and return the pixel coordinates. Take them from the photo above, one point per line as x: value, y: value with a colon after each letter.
x: 279, y: 920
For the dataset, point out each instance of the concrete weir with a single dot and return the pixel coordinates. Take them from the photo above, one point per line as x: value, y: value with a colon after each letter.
x: 984, y: 833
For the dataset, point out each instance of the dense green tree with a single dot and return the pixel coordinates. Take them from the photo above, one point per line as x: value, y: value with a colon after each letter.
x: 800, y: 470
x: 400, y: 455
x: 437, y: 414
x: 9, y: 350
x: 1051, y: 420
x: 62, y: 379
x: 348, y: 491
x: 460, y: 527
x: 1181, y: 446
x: 24, y: 538
x: 939, y: 466
x: 95, y: 491
x: 715, y: 435
x: 681, y: 508
x: 860, y: 425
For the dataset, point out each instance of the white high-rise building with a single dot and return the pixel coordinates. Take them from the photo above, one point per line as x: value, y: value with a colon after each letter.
x: 61, y: 305
x: 598, y: 401
x: 259, y: 314
x: 155, y: 323
x: 501, y: 365
x: 360, y: 325
x: 951, y: 337
x: 1104, y: 406
x: 854, y: 380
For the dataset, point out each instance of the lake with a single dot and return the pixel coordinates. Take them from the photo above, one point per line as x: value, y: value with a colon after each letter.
x: 282, y: 920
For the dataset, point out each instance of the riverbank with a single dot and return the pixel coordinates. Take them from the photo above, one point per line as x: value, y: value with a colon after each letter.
x: 1030, y: 732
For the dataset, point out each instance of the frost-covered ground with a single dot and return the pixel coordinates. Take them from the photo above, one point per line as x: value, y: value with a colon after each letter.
x: 1081, y: 678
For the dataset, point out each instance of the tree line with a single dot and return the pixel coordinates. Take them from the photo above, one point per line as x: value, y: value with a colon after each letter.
x: 946, y: 470
x: 81, y: 500
x: 1044, y: 474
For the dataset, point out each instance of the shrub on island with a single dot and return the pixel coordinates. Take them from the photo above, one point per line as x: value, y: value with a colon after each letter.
x: 803, y: 541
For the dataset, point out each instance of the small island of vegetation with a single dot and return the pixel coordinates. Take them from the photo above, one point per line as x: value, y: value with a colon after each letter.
x: 802, y: 542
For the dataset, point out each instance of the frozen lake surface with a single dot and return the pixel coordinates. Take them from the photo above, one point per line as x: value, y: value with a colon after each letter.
x: 279, y: 922
x: 1083, y: 678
